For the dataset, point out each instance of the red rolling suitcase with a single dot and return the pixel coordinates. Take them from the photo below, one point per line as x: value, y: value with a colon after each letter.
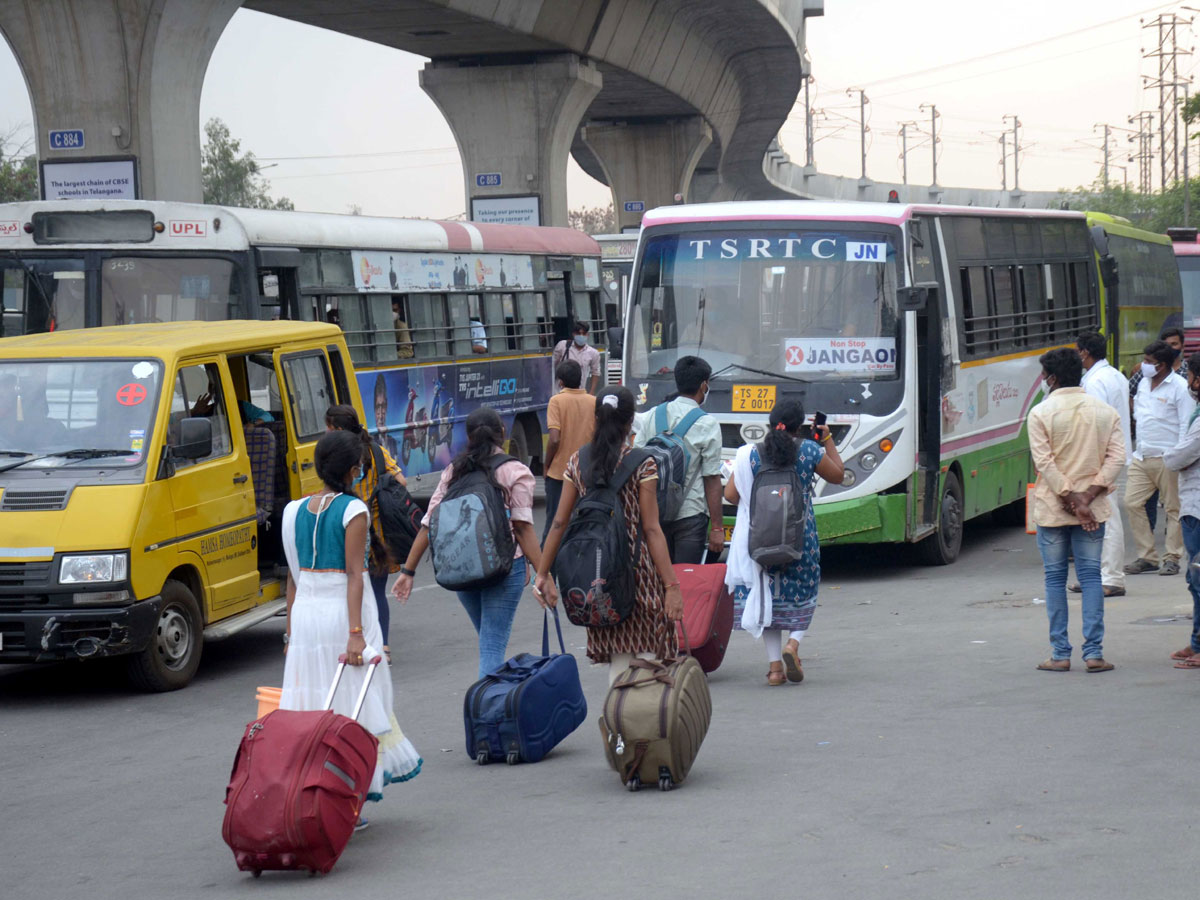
x: 299, y: 783
x: 707, y: 612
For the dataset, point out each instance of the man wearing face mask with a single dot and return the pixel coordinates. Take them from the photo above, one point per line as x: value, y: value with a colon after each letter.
x: 1184, y: 458
x: 579, y: 350
x: 1162, y: 409
x: 1076, y: 443
x: 700, y: 522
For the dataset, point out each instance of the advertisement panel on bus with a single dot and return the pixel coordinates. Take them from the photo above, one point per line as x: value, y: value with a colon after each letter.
x: 419, y: 412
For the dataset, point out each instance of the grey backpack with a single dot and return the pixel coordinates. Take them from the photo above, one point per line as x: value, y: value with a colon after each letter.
x: 780, y: 504
x: 469, y: 531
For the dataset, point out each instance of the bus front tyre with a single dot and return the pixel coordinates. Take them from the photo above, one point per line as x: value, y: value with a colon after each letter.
x: 172, y: 656
x: 942, y: 547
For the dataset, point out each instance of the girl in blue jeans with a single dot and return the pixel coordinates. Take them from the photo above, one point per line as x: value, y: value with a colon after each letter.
x: 491, y: 609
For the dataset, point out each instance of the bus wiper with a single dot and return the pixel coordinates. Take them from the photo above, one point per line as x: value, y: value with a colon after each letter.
x: 31, y: 274
x: 29, y: 457
x: 15, y: 453
x: 82, y: 453
x: 758, y: 372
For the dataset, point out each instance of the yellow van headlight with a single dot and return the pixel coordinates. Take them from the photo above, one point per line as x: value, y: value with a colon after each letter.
x: 99, y: 567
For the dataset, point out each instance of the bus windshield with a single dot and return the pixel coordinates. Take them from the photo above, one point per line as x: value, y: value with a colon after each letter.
x: 805, y: 305
x: 55, y: 293
x: 1189, y: 275
x: 77, y: 413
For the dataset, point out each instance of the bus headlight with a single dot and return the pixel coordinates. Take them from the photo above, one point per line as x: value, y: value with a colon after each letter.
x: 848, y: 478
x: 868, y: 460
x: 99, y: 567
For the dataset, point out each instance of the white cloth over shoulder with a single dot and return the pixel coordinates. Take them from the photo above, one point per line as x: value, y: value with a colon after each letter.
x: 741, y: 570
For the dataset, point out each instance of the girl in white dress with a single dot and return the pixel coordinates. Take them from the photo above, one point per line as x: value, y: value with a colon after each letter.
x: 325, y: 539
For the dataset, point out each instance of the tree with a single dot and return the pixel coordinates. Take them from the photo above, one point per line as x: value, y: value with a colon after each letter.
x: 18, y: 170
x: 598, y: 220
x: 230, y: 177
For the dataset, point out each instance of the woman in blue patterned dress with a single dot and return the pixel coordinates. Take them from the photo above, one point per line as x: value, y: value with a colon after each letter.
x: 769, y: 602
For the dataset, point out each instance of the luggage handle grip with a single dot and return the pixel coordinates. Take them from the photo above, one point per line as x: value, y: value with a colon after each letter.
x: 546, y: 631
x: 362, y: 694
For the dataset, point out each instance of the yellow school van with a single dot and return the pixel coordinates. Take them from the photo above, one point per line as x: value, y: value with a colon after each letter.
x: 143, y: 473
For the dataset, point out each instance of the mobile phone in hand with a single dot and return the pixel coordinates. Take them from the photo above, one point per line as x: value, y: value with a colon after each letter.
x: 818, y: 419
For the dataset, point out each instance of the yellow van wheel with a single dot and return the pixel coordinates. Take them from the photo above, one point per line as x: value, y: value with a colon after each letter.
x: 171, y: 658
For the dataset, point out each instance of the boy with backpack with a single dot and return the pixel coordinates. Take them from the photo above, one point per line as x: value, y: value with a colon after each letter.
x: 686, y: 444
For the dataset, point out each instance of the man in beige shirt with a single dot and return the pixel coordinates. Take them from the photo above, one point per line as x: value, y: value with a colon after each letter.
x: 1078, y: 449
x: 571, y: 420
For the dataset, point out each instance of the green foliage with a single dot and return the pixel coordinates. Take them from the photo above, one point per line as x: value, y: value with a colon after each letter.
x: 18, y: 173
x: 230, y: 177
x: 1153, y: 212
x: 599, y: 220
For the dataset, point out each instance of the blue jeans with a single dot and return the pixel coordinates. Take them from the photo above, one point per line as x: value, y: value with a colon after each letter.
x: 492, y: 610
x: 379, y: 588
x: 1190, y: 526
x: 1056, y: 544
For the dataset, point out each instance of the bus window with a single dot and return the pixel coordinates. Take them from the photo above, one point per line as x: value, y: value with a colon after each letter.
x: 141, y: 289
x: 508, y: 315
x: 12, y: 303
x: 401, y: 320
x: 587, y: 309
x: 382, y: 324
x: 336, y: 267
x: 535, y: 327
x: 310, y: 271
x: 460, y: 324
x: 428, y: 325
x: 499, y: 322
x: 352, y: 317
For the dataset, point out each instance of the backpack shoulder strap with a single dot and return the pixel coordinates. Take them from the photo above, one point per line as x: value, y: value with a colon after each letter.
x: 660, y: 418
x: 496, y: 460
x: 380, y: 471
x: 693, y: 416
x: 629, y: 465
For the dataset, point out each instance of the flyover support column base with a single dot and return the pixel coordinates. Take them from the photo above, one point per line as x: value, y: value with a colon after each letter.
x: 514, y: 125
x: 646, y: 163
x: 128, y: 75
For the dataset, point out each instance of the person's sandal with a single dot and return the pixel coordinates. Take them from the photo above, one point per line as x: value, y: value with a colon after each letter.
x: 1098, y: 664
x: 1055, y: 665
x: 791, y: 663
x: 776, y: 677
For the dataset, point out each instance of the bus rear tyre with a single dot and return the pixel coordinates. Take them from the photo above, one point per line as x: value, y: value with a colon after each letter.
x: 518, y: 443
x: 942, y: 547
x: 172, y: 656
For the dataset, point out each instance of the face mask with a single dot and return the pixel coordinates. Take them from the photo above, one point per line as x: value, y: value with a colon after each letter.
x: 1046, y: 386
x: 358, y: 478
x: 580, y: 340
x: 704, y: 399
x: 1148, y: 370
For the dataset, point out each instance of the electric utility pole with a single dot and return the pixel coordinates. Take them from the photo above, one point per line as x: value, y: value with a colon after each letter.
x: 862, y: 125
x: 933, y: 138
x: 1016, y: 151
x: 904, y: 126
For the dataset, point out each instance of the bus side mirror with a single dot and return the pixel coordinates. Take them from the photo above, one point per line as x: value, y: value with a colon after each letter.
x: 195, y: 439
x: 916, y: 297
x: 616, y: 342
x: 1108, y: 270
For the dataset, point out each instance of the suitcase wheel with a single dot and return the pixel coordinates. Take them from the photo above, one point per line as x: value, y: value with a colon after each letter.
x: 634, y: 784
x: 513, y: 757
x: 482, y: 757
x: 665, y: 781
x: 257, y: 873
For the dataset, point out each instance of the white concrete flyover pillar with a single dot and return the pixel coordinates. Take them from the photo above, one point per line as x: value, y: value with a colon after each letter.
x: 127, y: 74
x: 514, y: 125
x: 646, y: 163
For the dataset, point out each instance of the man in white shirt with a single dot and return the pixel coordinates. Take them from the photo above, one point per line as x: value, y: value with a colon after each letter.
x: 700, y: 522
x: 1162, y: 408
x: 1104, y: 382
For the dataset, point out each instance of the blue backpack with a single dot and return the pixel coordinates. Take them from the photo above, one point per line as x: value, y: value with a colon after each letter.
x: 673, y: 458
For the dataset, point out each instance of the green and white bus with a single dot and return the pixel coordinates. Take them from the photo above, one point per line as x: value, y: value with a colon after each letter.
x: 916, y: 329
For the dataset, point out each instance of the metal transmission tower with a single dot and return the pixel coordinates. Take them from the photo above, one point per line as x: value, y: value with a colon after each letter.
x: 1167, y: 84
x: 1144, y: 156
x: 1107, y: 129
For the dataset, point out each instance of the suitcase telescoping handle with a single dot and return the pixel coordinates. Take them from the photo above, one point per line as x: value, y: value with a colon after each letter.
x: 362, y: 694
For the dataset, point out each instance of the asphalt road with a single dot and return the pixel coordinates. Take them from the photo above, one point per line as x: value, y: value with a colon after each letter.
x: 923, y: 756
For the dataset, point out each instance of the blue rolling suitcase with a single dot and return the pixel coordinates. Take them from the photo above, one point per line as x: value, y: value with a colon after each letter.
x: 522, y: 710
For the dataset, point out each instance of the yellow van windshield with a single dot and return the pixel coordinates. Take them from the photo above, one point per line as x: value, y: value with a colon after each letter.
x: 77, y: 412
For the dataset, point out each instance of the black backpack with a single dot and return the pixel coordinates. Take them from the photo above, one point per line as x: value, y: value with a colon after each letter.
x: 399, y: 515
x: 469, y: 531
x: 595, y: 563
x: 780, y: 504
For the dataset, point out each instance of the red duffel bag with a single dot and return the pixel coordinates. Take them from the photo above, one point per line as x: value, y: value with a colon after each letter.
x: 299, y: 783
x: 707, y: 612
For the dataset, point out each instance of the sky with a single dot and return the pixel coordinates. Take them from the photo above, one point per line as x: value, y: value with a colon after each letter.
x: 357, y: 130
